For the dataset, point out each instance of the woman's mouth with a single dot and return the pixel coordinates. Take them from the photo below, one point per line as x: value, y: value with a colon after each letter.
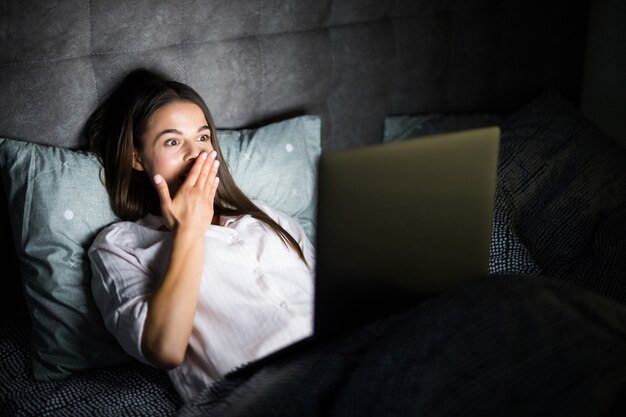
x: 184, y: 175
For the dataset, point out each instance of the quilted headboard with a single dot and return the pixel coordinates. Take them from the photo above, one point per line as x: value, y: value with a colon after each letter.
x: 351, y: 61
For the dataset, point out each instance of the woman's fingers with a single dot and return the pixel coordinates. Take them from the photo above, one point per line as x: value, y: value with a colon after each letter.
x: 162, y: 190
x: 213, y: 188
x: 193, y: 202
x: 164, y: 196
x: 212, y: 174
x: 207, y: 170
x: 201, y: 170
x: 196, y: 169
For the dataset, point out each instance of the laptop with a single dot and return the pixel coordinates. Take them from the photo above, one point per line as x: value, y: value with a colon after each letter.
x: 401, y: 222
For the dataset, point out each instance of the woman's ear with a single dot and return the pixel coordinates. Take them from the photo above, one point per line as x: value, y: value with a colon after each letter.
x: 137, y: 164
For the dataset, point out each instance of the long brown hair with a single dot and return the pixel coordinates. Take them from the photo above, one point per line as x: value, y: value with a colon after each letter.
x: 119, y: 124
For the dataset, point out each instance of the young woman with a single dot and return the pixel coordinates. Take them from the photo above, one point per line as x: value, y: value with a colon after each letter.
x: 200, y: 280
x: 197, y: 278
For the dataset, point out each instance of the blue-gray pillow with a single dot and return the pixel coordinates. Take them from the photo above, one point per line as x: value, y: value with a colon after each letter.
x: 277, y: 164
x: 412, y: 126
x: 57, y: 205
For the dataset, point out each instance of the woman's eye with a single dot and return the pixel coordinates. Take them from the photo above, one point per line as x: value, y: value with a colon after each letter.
x: 171, y: 142
x: 204, y: 138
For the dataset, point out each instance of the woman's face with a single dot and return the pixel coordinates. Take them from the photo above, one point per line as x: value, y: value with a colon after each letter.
x: 176, y: 134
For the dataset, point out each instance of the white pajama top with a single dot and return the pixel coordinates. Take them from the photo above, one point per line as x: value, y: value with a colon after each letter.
x: 256, y: 295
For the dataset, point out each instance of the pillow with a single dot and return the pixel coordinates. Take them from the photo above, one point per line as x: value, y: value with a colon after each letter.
x: 507, y: 253
x: 413, y: 126
x: 283, y: 171
x: 567, y: 182
x: 57, y: 205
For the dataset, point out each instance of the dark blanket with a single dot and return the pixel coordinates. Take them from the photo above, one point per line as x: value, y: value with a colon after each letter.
x: 504, y: 346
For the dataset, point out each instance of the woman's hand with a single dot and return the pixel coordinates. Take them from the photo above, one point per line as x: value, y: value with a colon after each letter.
x: 192, y: 206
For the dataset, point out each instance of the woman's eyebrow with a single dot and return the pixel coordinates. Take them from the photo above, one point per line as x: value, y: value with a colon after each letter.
x: 178, y: 132
x: 163, y: 132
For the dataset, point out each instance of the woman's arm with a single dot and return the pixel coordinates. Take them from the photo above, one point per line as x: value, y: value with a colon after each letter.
x: 172, y: 307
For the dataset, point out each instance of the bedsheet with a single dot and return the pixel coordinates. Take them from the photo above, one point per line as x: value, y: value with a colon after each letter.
x: 515, y: 346
x: 136, y: 389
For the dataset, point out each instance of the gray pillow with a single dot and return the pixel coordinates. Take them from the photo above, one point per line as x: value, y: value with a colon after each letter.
x: 413, y: 126
x: 57, y: 205
x: 567, y: 181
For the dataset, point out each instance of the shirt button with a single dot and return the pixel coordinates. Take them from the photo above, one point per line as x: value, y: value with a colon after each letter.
x: 283, y: 304
x: 257, y: 271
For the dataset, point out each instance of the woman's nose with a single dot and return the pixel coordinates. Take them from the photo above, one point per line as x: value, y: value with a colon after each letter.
x: 192, y: 151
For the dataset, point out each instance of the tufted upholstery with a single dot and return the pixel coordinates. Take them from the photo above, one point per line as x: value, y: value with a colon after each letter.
x: 351, y: 61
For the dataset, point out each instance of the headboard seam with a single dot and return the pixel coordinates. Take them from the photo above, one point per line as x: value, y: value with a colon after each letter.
x: 180, y: 33
x: 93, y: 72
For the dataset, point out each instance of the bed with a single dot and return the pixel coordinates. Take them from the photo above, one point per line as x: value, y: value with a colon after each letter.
x: 286, y: 80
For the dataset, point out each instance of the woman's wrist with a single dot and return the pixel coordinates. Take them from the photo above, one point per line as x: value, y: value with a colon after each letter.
x: 189, y: 231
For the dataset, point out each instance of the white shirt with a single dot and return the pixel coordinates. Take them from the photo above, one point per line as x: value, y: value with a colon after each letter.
x: 256, y: 295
